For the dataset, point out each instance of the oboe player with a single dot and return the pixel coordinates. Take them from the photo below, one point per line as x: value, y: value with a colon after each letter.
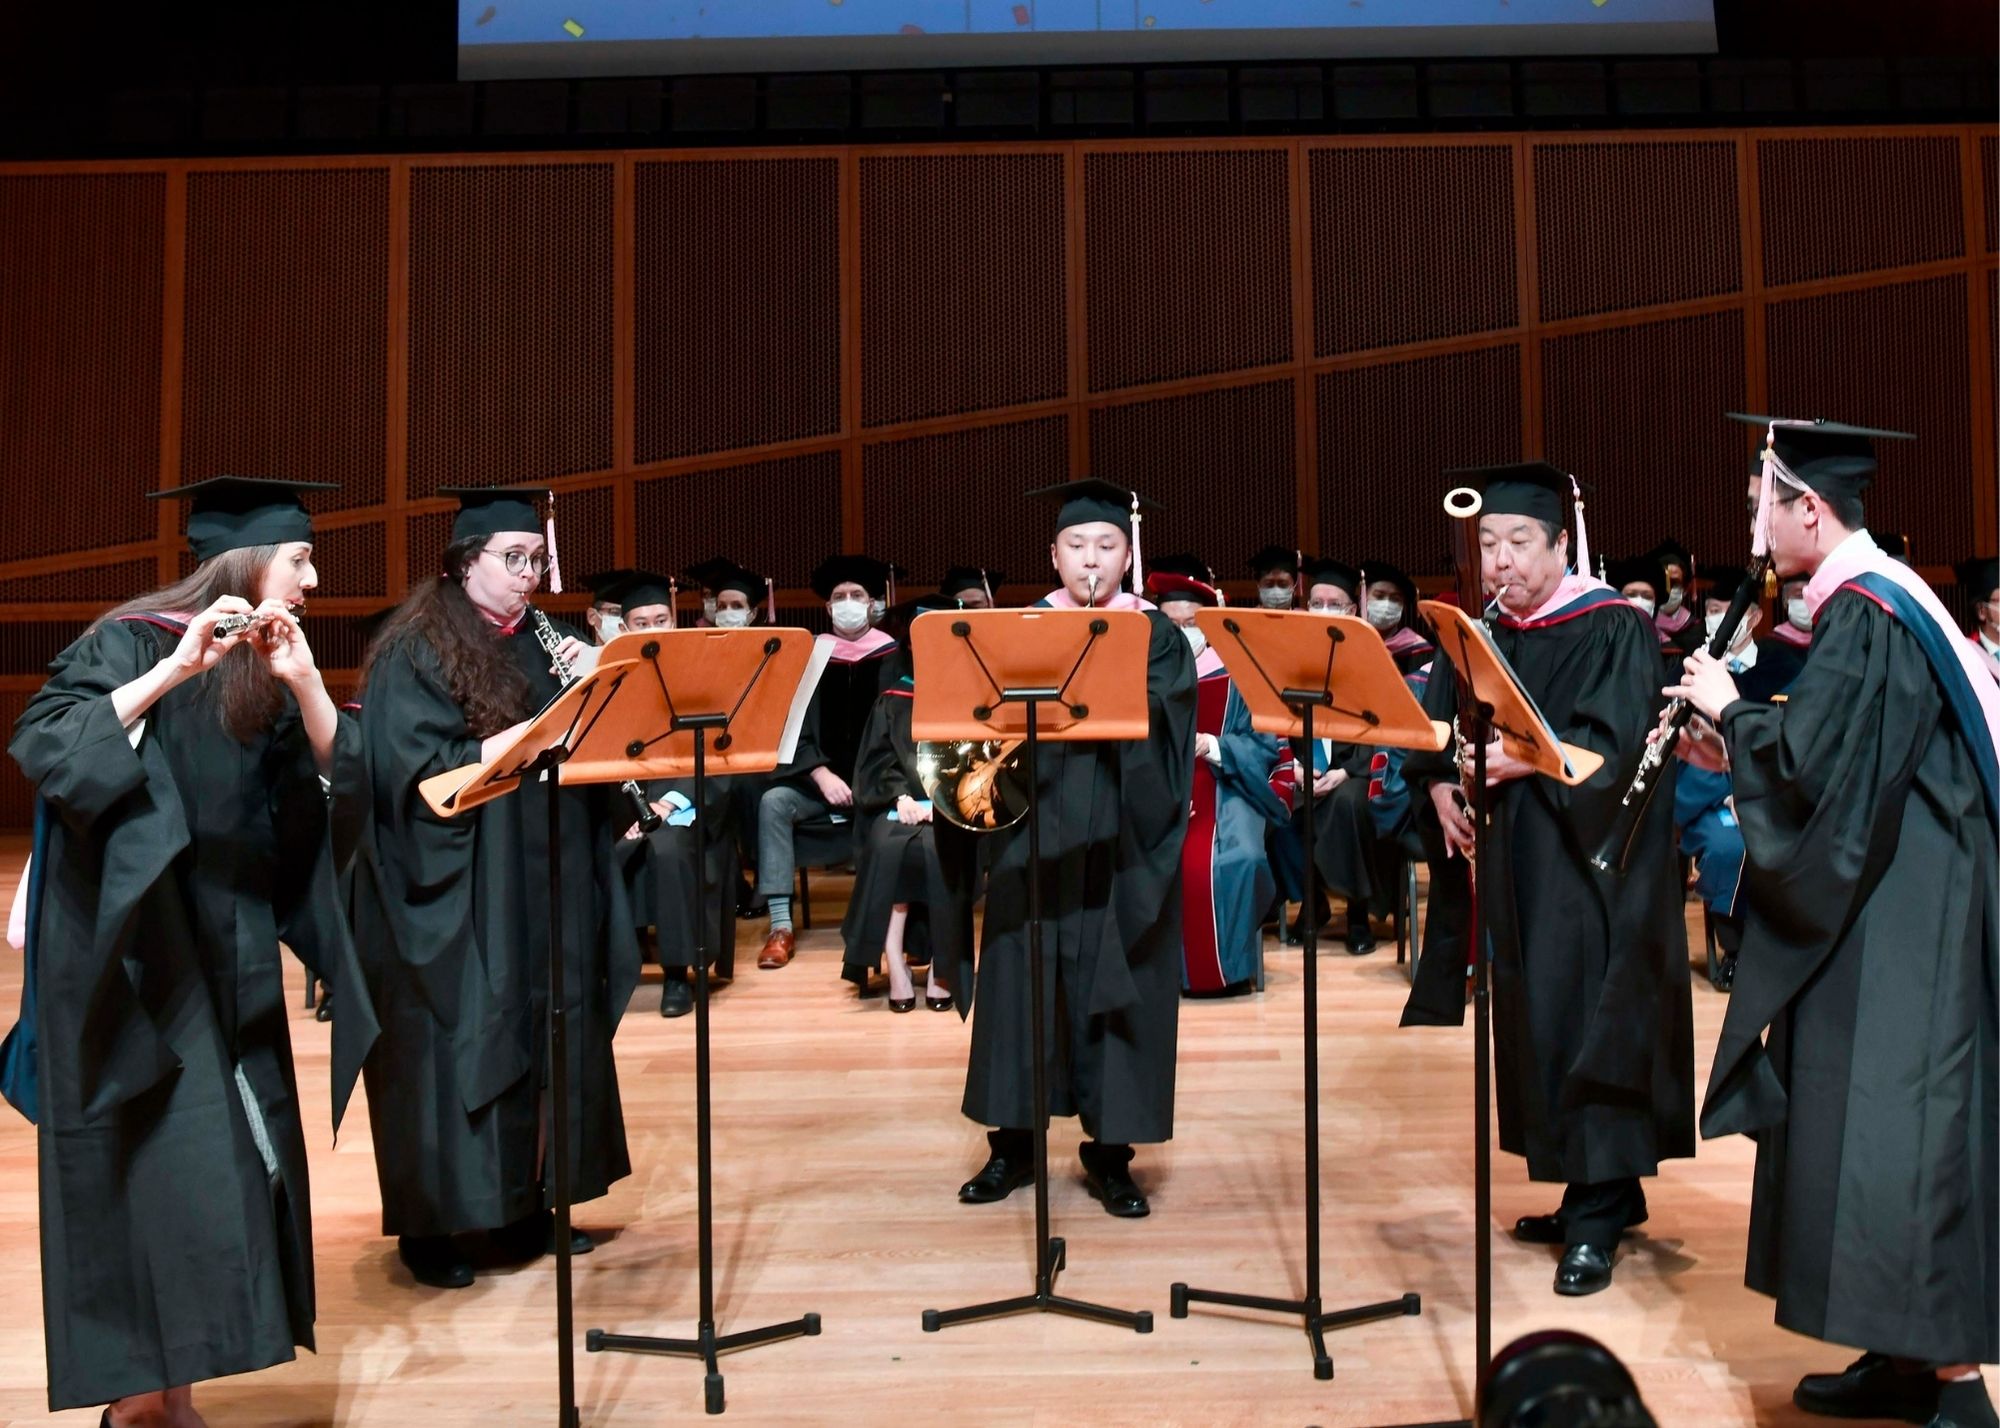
x: 1593, y: 1028
x: 1866, y: 805
x: 452, y: 915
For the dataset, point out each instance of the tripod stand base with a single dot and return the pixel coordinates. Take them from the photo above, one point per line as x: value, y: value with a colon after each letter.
x: 1317, y: 1321
x: 1044, y: 1300
x: 706, y: 1346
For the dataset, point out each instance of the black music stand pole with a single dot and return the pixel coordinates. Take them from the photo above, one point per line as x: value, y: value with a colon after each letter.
x: 706, y: 1344
x: 549, y: 764
x: 1317, y: 1318
x: 1050, y: 1253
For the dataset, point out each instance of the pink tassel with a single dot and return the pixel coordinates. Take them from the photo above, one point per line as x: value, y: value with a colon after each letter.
x: 1582, y: 536
x: 1760, y: 530
x: 549, y: 532
x: 770, y: 601
x: 673, y: 604
x: 1138, y: 569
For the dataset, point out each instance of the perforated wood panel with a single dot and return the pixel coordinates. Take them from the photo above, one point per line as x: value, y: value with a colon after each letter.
x: 736, y: 324
x: 778, y: 517
x: 510, y: 323
x: 1874, y: 357
x: 1223, y: 464
x: 1187, y: 259
x: 1837, y: 205
x: 352, y: 560
x: 586, y: 532
x: 107, y: 583
x: 17, y: 798
x: 963, y: 284
x: 1410, y: 243
x: 1989, y: 169
x: 28, y: 646
x: 1386, y: 435
x: 287, y: 329
x: 81, y: 271
x: 956, y: 499
x: 1632, y: 225
x: 1637, y: 413
x: 428, y: 534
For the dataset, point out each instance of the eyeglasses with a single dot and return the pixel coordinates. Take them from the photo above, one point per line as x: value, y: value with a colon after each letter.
x: 518, y: 561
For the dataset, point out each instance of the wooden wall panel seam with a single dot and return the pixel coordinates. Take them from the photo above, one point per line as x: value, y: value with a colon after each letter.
x: 173, y: 346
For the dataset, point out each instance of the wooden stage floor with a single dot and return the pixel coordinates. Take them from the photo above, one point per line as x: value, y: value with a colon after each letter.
x: 838, y: 1152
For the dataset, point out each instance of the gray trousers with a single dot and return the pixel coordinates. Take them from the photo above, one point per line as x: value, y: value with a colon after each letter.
x: 781, y: 808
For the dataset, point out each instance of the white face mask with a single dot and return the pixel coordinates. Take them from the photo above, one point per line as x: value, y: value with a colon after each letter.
x: 708, y: 608
x: 1385, y: 614
x: 1711, y: 623
x: 1645, y: 605
x: 1197, y: 641
x: 1795, y: 611
x: 1674, y: 596
x: 850, y: 617
x: 1274, y: 597
x: 609, y: 627
x: 876, y: 610
x: 730, y: 619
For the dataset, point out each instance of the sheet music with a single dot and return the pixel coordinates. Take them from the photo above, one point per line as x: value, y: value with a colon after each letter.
x: 822, y: 651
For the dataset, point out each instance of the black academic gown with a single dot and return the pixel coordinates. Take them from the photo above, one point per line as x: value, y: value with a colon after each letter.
x: 174, y: 1248
x: 1113, y: 816
x: 1869, y: 955
x: 900, y: 862
x: 452, y: 916
x: 662, y: 876
x: 1592, y: 1017
x: 1355, y: 862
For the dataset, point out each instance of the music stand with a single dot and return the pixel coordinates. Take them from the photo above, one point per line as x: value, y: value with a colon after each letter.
x: 989, y: 674
x: 540, y: 750
x: 1498, y: 704
x: 684, y: 686
x: 1311, y: 677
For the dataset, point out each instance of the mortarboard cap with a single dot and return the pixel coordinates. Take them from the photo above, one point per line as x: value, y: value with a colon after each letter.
x: 639, y: 588
x: 1724, y: 585
x: 1184, y: 563
x: 489, y: 510
x: 1082, y: 502
x: 236, y: 512
x: 1981, y: 576
x: 1322, y: 570
x: 1533, y: 489
x: 969, y: 577
x: 1831, y: 457
x: 869, y: 573
x: 1374, y: 570
x: 602, y: 584
x: 736, y: 577
x: 1273, y: 557
x: 710, y: 573
x: 1637, y: 569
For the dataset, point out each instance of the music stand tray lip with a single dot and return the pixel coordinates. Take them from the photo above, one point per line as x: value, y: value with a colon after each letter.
x: 1282, y: 660
x: 1524, y: 731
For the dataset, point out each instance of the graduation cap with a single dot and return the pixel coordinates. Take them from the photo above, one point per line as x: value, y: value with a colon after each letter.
x: 602, y: 584
x: 961, y: 578
x: 1637, y: 569
x: 1323, y: 570
x: 1671, y: 552
x: 1533, y: 489
x: 1094, y: 500
x: 485, y: 511
x: 1188, y: 564
x: 1725, y: 585
x: 1166, y: 585
x: 1274, y: 557
x: 1980, y: 576
x: 639, y: 588
x: 1830, y: 457
x: 237, y: 512
x: 710, y: 574
x: 877, y: 577
x: 1374, y: 570
x: 1896, y: 545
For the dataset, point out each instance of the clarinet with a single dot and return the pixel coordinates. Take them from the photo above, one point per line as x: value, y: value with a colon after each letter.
x: 642, y: 812
x: 1617, y: 845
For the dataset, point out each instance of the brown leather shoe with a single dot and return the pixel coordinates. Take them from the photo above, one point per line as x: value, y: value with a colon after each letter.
x: 777, y: 949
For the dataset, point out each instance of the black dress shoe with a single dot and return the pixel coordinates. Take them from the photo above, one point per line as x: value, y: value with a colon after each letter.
x: 1585, y: 1269
x: 1540, y: 1230
x: 903, y: 1004
x: 534, y: 1235
x: 1000, y: 1177
x: 942, y: 1003
x: 434, y: 1260
x: 1725, y: 973
x: 1964, y: 1404
x: 676, y: 997
x: 1360, y: 937
x: 1116, y: 1189
x: 1870, y: 1387
x: 324, y: 1011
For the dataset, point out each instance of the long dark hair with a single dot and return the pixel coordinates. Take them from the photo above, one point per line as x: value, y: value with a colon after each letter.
x: 246, y: 697
x: 484, y: 681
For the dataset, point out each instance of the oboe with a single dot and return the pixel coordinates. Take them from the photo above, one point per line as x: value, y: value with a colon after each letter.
x: 642, y: 811
x: 1617, y: 846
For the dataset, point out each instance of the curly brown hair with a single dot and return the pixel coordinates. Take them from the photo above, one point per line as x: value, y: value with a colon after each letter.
x: 484, y: 681
x: 246, y: 697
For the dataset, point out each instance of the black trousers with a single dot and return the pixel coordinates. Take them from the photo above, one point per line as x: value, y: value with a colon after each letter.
x: 1597, y: 1215
x: 1019, y: 1144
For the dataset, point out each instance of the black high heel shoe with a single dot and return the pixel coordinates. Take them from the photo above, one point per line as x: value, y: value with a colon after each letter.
x: 903, y: 1004
x: 942, y: 1003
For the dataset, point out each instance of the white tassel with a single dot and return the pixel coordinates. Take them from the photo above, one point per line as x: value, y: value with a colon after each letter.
x: 673, y: 604
x: 1138, y: 568
x: 549, y: 532
x: 1582, y: 536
